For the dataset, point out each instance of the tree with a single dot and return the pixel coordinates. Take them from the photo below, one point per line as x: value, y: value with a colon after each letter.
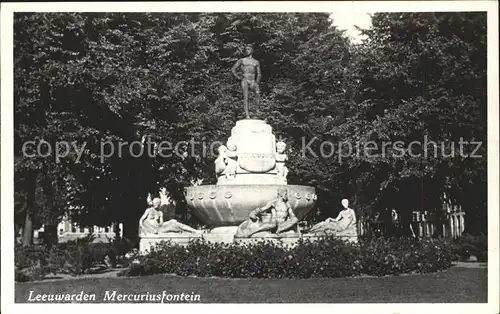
x: 423, y: 75
x: 89, y: 78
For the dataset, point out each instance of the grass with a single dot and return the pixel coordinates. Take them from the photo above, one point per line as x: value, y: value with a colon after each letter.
x: 455, y: 285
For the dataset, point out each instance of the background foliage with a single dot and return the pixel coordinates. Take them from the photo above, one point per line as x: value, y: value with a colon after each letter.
x: 91, y: 77
x: 330, y: 258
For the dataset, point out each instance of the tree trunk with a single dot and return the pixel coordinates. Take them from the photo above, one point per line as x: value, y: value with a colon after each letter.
x: 476, y: 213
x: 30, y: 209
x: 386, y: 217
x: 28, y: 229
x: 475, y: 223
x: 17, y: 231
x: 131, y: 231
x: 405, y: 218
x: 50, y: 235
x: 116, y: 230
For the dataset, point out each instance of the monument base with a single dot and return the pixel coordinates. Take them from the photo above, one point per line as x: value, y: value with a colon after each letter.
x: 220, y: 235
x: 289, y: 241
x: 315, y: 237
x: 226, y: 235
x: 149, y: 241
x: 245, y: 241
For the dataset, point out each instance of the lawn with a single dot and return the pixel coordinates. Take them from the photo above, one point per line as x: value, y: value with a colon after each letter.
x: 456, y: 285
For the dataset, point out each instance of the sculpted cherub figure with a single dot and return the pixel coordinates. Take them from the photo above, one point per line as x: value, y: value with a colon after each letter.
x: 221, y: 160
x: 231, y: 159
x: 281, y: 158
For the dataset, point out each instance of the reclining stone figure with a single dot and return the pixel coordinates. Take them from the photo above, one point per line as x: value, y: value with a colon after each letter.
x: 344, y: 225
x: 280, y: 220
x: 152, y: 222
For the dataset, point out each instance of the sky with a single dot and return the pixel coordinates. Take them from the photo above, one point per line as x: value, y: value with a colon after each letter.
x: 347, y: 21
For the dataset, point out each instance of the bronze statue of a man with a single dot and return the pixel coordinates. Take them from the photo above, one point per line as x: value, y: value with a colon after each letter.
x: 250, y: 76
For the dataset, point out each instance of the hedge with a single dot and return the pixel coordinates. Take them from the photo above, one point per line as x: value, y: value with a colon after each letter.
x: 74, y: 257
x: 328, y: 257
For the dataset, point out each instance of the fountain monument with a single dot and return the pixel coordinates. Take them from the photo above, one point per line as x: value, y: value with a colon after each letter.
x: 252, y: 199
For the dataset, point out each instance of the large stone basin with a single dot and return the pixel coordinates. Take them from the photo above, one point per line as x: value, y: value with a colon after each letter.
x: 229, y: 205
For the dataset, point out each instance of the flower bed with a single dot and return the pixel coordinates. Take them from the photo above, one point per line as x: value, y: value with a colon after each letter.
x: 328, y: 257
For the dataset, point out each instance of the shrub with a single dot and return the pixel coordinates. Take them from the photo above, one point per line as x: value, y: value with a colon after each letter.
x: 31, y: 273
x: 74, y: 257
x: 22, y: 276
x: 326, y: 257
x: 467, y: 245
x: 31, y: 263
x: 26, y: 256
x: 121, y: 246
x: 404, y: 255
x: 80, y: 255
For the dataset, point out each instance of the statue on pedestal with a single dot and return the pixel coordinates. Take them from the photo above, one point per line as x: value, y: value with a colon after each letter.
x: 280, y: 220
x: 281, y: 158
x: 343, y: 225
x: 250, y: 76
x: 152, y: 222
x: 232, y: 155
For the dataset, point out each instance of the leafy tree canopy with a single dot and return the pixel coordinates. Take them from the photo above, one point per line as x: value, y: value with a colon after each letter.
x: 93, y: 77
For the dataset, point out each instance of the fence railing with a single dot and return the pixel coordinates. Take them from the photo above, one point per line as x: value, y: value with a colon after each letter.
x: 422, y: 225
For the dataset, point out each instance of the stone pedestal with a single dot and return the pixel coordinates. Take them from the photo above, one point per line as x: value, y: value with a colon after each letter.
x: 220, y: 235
x: 315, y: 237
x: 290, y: 242
x: 256, y: 147
x: 149, y: 241
x: 250, y: 169
x: 245, y: 241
